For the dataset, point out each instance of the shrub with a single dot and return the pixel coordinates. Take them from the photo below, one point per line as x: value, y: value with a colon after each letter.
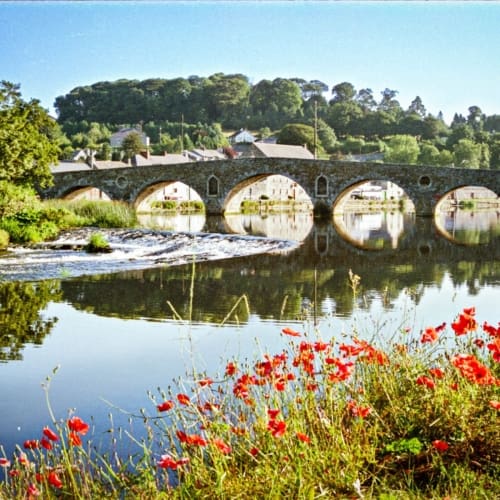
x: 98, y: 244
x: 4, y: 239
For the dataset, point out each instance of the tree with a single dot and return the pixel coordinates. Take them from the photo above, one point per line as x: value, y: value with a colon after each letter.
x: 297, y: 134
x: 417, y: 107
x: 467, y: 154
x: 429, y: 155
x: 343, y: 92
x: 27, y: 148
x: 132, y: 144
x: 402, y: 149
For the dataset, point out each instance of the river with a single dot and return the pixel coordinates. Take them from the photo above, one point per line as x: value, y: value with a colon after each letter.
x: 193, y: 293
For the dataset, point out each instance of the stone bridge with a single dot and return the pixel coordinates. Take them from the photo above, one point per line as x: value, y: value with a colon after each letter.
x: 325, y: 182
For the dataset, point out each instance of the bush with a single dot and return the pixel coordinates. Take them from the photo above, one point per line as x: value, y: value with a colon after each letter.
x: 98, y: 244
x: 4, y: 239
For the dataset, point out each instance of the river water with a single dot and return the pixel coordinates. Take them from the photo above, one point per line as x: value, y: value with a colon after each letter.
x: 193, y: 293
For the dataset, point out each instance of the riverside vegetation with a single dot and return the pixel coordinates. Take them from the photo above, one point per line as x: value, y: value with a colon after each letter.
x: 414, y: 415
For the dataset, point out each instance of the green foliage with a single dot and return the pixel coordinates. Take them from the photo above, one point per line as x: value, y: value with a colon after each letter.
x: 98, y: 244
x: 132, y: 144
x: 467, y: 154
x: 27, y: 147
x: 297, y: 134
x: 402, y: 149
x: 4, y: 239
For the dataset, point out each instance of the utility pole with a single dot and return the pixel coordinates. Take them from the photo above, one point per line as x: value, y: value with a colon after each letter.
x: 182, y: 132
x: 315, y: 128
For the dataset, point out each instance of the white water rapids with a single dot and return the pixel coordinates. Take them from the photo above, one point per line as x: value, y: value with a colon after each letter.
x: 131, y: 249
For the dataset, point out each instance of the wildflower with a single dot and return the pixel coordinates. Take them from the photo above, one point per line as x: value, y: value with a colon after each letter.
x: 358, y: 411
x: 166, y: 405
x: 205, y: 382
x: 254, y: 451
x: 49, y: 433
x: 230, y: 369
x: 428, y: 382
x: 191, y: 439
x: 290, y: 332
x: 54, y: 480
x: 46, y: 443
x: 303, y: 437
x: 167, y: 462
x: 440, y: 445
x: 76, y: 424
x: 276, y: 428
x: 436, y: 372
x: 273, y: 413
x: 479, y: 343
x: 33, y: 491
x: 430, y: 335
x: 495, y: 404
x: 465, y: 322
x: 31, y: 444
x: 221, y: 445
x: 4, y: 462
x: 473, y: 370
x: 14, y: 473
x: 183, y: 399
x: 320, y: 346
x: 74, y: 439
x: 491, y: 330
x: 494, y: 347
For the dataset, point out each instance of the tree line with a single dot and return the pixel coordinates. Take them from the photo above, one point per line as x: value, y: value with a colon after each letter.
x: 193, y: 111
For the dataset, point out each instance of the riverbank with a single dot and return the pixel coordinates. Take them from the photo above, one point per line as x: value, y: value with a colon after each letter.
x: 342, y: 418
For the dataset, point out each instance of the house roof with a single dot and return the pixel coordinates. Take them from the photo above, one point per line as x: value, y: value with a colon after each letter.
x: 283, y: 151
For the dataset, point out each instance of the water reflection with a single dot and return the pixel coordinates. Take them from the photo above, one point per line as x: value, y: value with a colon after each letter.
x: 469, y: 227
x: 21, y: 319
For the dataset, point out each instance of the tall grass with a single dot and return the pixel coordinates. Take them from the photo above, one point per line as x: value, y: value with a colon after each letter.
x: 416, y: 417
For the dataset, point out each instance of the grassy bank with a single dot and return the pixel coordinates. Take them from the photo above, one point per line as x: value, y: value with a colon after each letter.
x: 39, y: 221
x: 415, y: 416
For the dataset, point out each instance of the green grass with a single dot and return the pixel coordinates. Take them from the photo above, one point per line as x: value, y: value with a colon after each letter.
x: 414, y: 418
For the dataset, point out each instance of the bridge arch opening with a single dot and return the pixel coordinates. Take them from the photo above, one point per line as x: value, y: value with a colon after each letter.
x: 168, y: 195
x: 373, y: 196
x: 267, y: 193
x: 89, y: 193
x: 468, y: 215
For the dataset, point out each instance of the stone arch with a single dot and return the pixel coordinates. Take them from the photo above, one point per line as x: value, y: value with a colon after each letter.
x: 164, y: 190
x: 87, y: 192
x: 393, y: 196
x: 272, y: 186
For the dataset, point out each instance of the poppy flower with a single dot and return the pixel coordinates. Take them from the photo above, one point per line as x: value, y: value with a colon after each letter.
x: 465, y: 323
x: 31, y: 444
x: 272, y: 413
x: 254, y: 451
x: 205, y: 382
x: 320, y: 346
x: 4, y: 462
x: 230, y: 369
x: 440, y: 445
x: 290, y: 332
x: 495, y: 404
x: 428, y: 382
x: 54, y: 480
x: 50, y: 434
x: 303, y: 437
x: 166, y: 405
x: 436, y: 372
x: 491, y: 330
x: 76, y: 424
x: 183, y: 399
x: 167, y: 462
x: 46, y: 443
x: 74, y: 439
x: 430, y: 335
x: 357, y: 410
x: 222, y: 446
x: 276, y: 428
x: 32, y: 491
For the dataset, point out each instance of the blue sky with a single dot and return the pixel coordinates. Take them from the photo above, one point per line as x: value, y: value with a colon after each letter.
x: 448, y: 53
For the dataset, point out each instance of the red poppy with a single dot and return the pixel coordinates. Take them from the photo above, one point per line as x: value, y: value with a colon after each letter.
x: 428, y: 382
x: 290, y: 332
x: 46, y: 443
x: 254, y: 451
x: 166, y: 405
x: 167, y: 462
x: 49, y: 433
x: 54, y: 480
x: 473, y: 370
x: 74, y: 439
x: 205, y: 381
x: 303, y: 437
x: 14, y: 473
x: 491, y: 330
x: 193, y: 439
x: 436, y: 372
x: 440, y: 445
x: 465, y: 323
x: 479, y: 343
x: 430, y: 335
x: 4, y: 462
x: 32, y: 491
x: 494, y: 347
x: 76, y: 424
x: 357, y: 410
x: 31, y: 444
x: 277, y: 428
x: 230, y: 369
x: 495, y: 404
x: 321, y: 346
x: 221, y: 445
x: 272, y: 413
x: 183, y: 399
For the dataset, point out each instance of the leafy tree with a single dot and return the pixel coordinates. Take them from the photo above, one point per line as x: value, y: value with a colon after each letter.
x: 445, y: 158
x: 429, y: 154
x: 417, y: 107
x: 467, y: 154
x: 27, y: 148
x: 494, y: 144
x: 326, y: 136
x: 458, y: 132
x: 297, y: 134
x: 475, y: 118
x: 389, y: 104
x: 343, y: 92
x: 132, y: 144
x: 344, y: 117
x: 365, y: 99
x: 402, y: 149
